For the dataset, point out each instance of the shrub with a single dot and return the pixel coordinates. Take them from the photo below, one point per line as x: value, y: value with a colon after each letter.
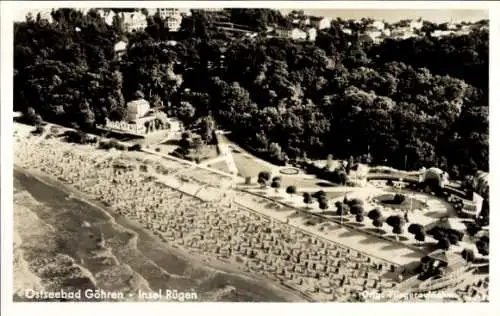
x: 136, y: 147
x: 473, y: 229
x: 399, y: 198
x: 176, y: 154
x: 54, y: 130
x: 39, y: 130
x: 453, y: 239
x: 265, y: 175
x: 359, y: 218
x: 311, y: 222
x: 390, y: 182
x: 468, y: 255
x: 339, y: 176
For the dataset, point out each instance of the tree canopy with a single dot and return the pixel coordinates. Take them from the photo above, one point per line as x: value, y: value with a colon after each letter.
x: 407, y: 103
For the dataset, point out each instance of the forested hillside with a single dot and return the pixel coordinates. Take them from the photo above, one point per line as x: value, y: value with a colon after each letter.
x: 405, y: 103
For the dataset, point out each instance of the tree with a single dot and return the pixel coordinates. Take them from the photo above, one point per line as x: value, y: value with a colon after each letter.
x: 415, y: 229
x: 420, y: 236
x: 355, y: 201
x: 262, y: 182
x: 473, y: 229
x: 397, y: 230
x: 307, y: 198
x: 339, y: 206
x: 399, y: 198
x: 426, y: 98
x: 375, y: 214
x: 319, y: 195
x: 356, y: 209
x: 186, y: 112
x: 323, y: 205
x: 378, y: 223
x: 359, y: 218
x: 394, y: 220
x: 444, y: 243
x: 276, y: 183
x: 263, y: 178
x: 291, y: 189
x: 483, y: 245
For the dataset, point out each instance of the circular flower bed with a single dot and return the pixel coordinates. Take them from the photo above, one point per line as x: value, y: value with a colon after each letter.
x: 289, y: 171
x: 388, y: 200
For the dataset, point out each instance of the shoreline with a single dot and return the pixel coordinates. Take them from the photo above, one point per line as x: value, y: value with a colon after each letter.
x: 144, y: 190
x: 213, y: 264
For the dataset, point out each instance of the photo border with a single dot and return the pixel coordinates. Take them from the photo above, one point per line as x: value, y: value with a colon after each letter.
x: 7, y: 9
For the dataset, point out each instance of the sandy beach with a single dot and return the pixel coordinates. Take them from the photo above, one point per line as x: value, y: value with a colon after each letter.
x: 261, y: 258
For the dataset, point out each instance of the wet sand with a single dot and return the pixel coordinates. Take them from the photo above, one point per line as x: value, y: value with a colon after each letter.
x: 131, y: 258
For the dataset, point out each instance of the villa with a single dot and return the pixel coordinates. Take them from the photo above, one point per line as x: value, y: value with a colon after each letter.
x: 297, y: 34
x: 320, y: 22
x: 134, y: 21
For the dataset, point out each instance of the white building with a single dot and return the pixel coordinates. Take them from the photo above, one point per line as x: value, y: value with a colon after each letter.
x: 137, y: 109
x: 481, y: 183
x: 120, y: 46
x: 320, y: 23
x: 107, y: 15
x: 134, y: 21
x: 311, y: 34
x: 212, y: 9
x: 416, y: 24
x: 297, y: 34
x: 347, y: 31
x: 440, y: 33
x: 374, y: 35
x: 403, y: 33
x: 379, y: 25
x: 172, y: 15
x: 45, y: 15
x: 301, y: 20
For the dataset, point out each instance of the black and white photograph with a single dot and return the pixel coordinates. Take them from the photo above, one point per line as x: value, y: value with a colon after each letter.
x: 248, y: 154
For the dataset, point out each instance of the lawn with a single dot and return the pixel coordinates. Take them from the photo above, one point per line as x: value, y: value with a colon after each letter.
x: 300, y: 182
x: 221, y: 165
x: 248, y: 167
x: 206, y: 152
